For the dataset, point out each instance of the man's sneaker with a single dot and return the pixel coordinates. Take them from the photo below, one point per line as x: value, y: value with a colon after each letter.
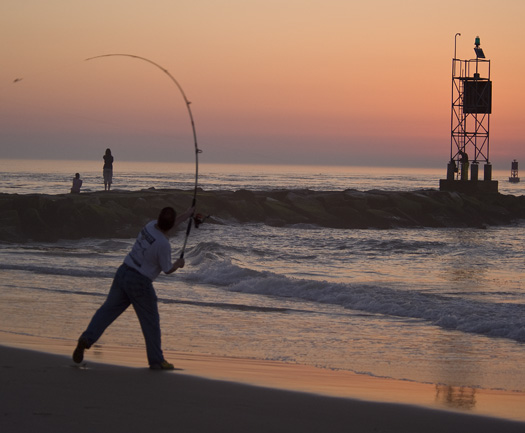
x: 78, y: 354
x: 164, y: 365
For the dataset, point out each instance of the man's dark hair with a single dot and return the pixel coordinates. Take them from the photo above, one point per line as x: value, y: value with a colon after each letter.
x: 166, y: 218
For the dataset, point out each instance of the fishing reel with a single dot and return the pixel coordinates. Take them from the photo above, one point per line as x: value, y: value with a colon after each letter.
x: 198, y: 219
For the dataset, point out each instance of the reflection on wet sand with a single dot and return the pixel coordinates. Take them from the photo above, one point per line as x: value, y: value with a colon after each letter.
x: 456, y: 397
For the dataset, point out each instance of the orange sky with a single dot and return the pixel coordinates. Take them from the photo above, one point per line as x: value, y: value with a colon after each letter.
x: 271, y: 81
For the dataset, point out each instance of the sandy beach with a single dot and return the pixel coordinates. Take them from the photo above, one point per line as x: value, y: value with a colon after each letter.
x: 42, y: 390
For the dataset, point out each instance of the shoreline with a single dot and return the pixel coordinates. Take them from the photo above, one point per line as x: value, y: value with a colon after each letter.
x: 271, y: 376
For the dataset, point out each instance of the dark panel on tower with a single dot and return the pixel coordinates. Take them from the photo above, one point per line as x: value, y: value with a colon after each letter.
x: 477, y: 97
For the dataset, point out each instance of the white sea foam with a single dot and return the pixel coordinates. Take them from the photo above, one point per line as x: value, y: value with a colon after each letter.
x: 492, y: 319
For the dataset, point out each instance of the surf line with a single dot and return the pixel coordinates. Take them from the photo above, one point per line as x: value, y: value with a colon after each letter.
x: 193, y: 217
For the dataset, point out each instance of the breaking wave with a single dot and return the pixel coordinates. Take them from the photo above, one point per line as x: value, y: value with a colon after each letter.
x: 502, y: 320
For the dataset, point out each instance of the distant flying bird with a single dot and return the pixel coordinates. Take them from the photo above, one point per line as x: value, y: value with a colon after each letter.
x: 16, y: 80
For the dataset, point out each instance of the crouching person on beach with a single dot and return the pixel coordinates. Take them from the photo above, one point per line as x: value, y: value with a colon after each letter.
x: 133, y: 285
x: 77, y: 184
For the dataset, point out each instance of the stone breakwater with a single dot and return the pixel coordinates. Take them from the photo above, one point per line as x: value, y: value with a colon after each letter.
x: 121, y: 214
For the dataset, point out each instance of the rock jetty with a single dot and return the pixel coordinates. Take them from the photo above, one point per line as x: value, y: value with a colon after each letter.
x: 121, y: 214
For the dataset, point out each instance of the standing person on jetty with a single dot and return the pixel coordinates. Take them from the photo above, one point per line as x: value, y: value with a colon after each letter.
x: 133, y: 285
x: 464, y: 165
x: 107, y: 171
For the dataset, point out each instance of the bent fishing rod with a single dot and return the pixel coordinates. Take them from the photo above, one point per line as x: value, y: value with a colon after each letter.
x: 197, y: 150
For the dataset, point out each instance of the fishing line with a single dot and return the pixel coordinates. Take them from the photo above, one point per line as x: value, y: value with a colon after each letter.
x: 197, y: 150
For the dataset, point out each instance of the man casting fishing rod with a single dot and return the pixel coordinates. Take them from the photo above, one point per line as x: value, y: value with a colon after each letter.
x: 151, y: 254
x: 133, y: 285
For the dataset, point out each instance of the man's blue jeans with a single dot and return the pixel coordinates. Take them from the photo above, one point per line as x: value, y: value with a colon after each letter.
x: 130, y: 287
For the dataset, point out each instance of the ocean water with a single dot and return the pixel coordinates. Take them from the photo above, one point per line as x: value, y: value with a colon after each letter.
x: 442, y: 306
x: 55, y: 177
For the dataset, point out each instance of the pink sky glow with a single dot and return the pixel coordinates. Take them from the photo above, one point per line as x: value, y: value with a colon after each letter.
x: 276, y: 82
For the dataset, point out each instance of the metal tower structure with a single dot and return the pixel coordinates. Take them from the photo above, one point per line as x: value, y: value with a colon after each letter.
x: 470, y: 124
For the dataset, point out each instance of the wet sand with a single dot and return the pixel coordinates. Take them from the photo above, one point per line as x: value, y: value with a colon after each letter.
x: 43, y: 390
